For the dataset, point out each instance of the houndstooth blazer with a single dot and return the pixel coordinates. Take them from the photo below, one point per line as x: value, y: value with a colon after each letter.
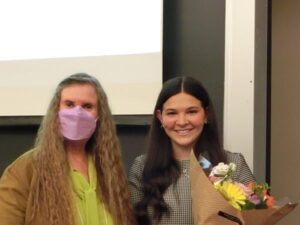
x: 178, y: 196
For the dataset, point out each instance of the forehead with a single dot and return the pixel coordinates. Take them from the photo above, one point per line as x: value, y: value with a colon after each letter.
x: 182, y: 100
x: 79, y: 92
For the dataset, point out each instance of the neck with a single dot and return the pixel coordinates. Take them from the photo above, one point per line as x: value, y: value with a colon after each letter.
x: 182, y: 153
x: 77, y: 157
x: 75, y: 147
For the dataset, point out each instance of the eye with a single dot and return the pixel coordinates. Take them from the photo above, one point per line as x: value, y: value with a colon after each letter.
x: 170, y: 113
x: 69, y: 104
x: 193, y: 111
x: 87, y: 106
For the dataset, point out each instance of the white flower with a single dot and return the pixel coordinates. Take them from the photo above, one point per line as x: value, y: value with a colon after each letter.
x: 232, y: 167
x: 223, y: 170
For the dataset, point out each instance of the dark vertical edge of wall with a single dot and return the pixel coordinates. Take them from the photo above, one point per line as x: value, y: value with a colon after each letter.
x: 269, y: 95
x: 194, y: 45
x: 260, y: 90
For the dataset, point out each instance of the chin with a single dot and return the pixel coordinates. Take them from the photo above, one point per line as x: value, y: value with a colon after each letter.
x: 185, y: 145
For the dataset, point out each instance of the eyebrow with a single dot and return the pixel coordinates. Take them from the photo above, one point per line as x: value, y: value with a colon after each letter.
x: 194, y: 107
x: 66, y: 101
x: 82, y: 103
x: 191, y: 107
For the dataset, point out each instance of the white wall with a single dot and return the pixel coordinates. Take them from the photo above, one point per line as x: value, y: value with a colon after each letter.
x: 42, y: 42
x: 27, y: 86
x: 239, y: 77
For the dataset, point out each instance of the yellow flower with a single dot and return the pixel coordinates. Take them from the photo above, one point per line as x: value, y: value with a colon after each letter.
x: 232, y: 193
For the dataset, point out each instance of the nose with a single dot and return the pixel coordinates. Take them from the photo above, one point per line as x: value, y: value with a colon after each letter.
x: 182, y: 120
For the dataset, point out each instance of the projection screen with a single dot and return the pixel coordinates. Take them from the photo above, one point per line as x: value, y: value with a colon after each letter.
x: 119, y: 42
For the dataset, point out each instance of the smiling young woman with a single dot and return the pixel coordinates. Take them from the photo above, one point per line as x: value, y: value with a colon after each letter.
x: 184, y: 121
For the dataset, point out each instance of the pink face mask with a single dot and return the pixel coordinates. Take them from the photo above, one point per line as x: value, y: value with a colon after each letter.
x: 76, y: 123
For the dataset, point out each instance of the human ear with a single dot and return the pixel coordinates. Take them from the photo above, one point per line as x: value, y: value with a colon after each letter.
x: 206, y: 116
x: 158, y: 115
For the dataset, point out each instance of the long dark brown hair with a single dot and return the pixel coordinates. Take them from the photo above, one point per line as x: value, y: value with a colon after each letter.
x: 52, y: 189
x: 161, y: 169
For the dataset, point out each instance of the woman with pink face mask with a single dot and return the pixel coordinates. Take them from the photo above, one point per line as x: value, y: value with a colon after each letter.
x: 74, y: 175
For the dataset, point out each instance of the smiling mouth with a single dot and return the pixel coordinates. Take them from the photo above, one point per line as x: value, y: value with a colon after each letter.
x: 183, y: 132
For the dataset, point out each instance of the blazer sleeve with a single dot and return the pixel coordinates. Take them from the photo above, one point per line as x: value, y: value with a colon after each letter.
x: 243, y: 173
x: 135, y: 177
x: 14, y: 192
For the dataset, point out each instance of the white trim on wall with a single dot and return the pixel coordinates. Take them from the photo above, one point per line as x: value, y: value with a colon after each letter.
x: 239, y: 78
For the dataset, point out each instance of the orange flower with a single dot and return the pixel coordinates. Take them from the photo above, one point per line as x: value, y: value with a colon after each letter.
x: 265, y: 192
x: 270, y: 201
x: 250, y: 185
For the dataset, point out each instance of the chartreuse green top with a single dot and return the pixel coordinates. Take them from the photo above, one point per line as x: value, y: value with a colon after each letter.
x: 89, y: 209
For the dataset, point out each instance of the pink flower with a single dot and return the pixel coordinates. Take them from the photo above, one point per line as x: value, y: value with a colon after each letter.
x: 251, y: 196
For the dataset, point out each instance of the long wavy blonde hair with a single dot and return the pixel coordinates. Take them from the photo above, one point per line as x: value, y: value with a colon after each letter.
x: 52, y: 192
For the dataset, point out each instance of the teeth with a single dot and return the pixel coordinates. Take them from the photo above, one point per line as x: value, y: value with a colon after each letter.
x: 183, y: 132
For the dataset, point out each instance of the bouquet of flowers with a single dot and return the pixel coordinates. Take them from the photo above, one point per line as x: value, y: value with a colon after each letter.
x: 238, y: 195
x: 219, y: 200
